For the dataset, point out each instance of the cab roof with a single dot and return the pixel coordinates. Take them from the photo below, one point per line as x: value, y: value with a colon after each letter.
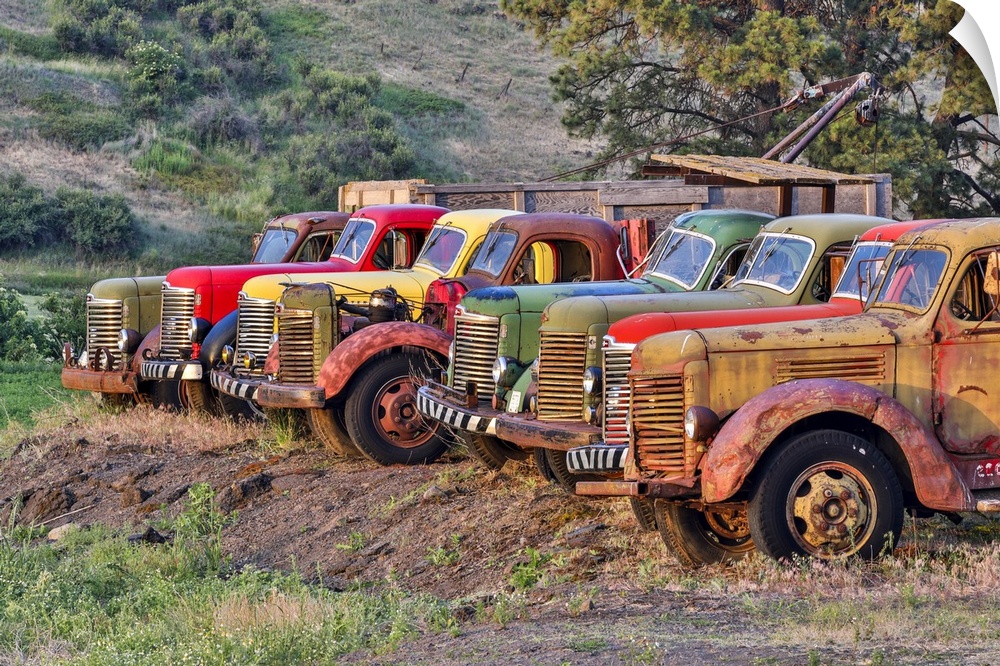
x: 389, y: 213
x: 962, y: 236
x: 825, y: 228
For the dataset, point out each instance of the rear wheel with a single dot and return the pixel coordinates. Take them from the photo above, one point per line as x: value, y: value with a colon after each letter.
x: 555, y: 460
x: 827, y: 494
x: 327, y: 425
x: 492, y: 452
x: 382, y: 416
x: 712, y: 536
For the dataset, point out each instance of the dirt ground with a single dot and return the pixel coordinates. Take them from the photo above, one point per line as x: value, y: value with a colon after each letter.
x: 610, y: 594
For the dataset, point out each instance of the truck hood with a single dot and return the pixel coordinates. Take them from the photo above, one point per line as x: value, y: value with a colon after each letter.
x: 133, y: 287
x: 844, y: 332
x: 575, y: 315
x: 411, y: 284
x: 636, y: 328
x: 498, y: 301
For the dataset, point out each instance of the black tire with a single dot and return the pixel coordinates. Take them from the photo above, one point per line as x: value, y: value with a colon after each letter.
x: 114, y: 402
x: 697, y: 538
x: 644, y: 512
x: 382, y: 417
x: 542, y: 465
x: 167, y: 395
x: 827, y: 494
x: 237, y: 408
x: 327, y: 425
x: 197, y: 396
x: 492, y: 452
x: 556, y: 462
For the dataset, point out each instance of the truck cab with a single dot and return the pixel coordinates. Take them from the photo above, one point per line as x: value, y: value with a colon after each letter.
x: 855, y: 419
x: 121, y: 312
x: 198, y: 303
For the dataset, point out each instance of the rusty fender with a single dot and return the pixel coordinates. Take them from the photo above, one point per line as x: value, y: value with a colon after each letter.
x: 151, y: 341
x: 743, y: 438
x: 359, y: 348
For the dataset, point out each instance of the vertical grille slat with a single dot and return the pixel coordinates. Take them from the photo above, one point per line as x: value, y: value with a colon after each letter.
x: 658, y: 424
x: 477, y: 338
x: 617, y: 394
x: 176, y: 310
x: 104, y: 321
x: 255, y: 326
x: 561, y: 360
x: 297, y: 363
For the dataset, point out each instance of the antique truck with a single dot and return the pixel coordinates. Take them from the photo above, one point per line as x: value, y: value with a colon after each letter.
x: 198, y: 304
x: 123, y: 310
x: 355, y: 380
x: 855, y: 419
x: 792, y: 260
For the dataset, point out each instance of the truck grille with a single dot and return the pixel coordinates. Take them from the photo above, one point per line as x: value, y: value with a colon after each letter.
x: 561, y: 359
x: 864, y: 368
x: 254, y: 329
x: 617, y: 393
x: 175, y: 318
x: 297, y: 362
x: 476, y: 340
x: 658, y: 425
x: 104, y: 321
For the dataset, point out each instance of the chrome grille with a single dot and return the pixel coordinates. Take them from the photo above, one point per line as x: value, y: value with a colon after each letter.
x: 561, y: 359
x: 658, y: 424
x: 865, y: 368
x: 255, y: 326
x: 297, y: 363
x: 175, y: 320
x: 104, y: 321
x: 617, y: 394
x: 476, y: 340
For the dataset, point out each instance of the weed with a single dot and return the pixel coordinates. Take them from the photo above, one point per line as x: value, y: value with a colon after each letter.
x: 442, y: 556
x: 355, y: 542
x: 528, y: 574
x: 588, y: 645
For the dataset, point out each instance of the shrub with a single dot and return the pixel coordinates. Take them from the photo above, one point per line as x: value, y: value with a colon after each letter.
x: 219, y: 120
x: 17, y: 332
x: 96, y: 225
x: 65, y: 321
x: 25, y: 214
x: 102, y: 27
x: 77, y: 123
x: 155, y: 79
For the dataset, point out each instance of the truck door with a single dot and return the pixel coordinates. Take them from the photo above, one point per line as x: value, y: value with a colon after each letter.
x: 966, y: 359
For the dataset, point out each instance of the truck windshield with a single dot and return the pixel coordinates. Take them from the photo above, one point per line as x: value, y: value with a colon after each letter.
x: 357, y: 234
x: 442, y: 249
x: 777, y: 261
x: 497, y: 249
x: 862, y: 267
x: 911, y: 278
x: 274, y: 245
x: 685, y: 258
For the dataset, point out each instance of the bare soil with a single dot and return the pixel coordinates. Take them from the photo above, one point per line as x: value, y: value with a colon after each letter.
x: 609, y: 593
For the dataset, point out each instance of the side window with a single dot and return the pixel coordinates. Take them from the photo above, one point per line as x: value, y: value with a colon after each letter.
x: 316, y: 248
x: 536, y: 265
x: 978, y: 293
x: 573, y: 262
x: 728, y: 265
x: 385, y: 251
x: 831, y: 266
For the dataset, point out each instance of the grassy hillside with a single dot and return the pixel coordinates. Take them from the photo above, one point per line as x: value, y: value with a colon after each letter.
x: 466, y: 90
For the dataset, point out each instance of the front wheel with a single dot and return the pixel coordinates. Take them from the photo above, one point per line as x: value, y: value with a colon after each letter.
x: 827, y: 494
x: 716, y: 535
x: 327, y: 425
x: 555, y: 462
x: 381, y: 413
x: 492, y: 452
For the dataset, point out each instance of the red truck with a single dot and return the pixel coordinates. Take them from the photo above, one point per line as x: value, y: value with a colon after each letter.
x: 198, y: 312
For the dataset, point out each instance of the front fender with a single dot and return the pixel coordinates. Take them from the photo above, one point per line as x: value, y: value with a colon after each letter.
x: 358, y: 348
x: 742, y: 440
x: 150, y: 342
x: 223, y: 333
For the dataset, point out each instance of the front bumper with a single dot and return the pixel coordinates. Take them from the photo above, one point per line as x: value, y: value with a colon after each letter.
x: 535, y: 433
x: 458, y: 410
x: 83, y: 379
x: 290, y: 396
x: 172, y: 370
x: 601, y: 458
x: 243, y: 388
x: 653, y: 488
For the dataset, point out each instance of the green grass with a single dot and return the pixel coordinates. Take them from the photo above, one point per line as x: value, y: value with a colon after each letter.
x: 406, y: 101
x: 26, y: 389
x: 40, y: 47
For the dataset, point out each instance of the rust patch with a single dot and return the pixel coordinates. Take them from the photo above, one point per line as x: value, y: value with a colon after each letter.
x: 802, y: 331
x: 963, y: 389
x: 751, y: 336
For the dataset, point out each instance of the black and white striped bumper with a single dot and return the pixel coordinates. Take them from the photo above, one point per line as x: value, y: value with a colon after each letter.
x: 238, y: 387
x: 597, y: 458
x: 433, y: 406
x: 171, y: 370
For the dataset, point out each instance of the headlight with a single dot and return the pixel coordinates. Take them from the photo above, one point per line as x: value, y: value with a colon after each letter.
x: 592, y: 380
x: 451, y: 354
x: 590, y: 414
x: 228, y: 355
x: 197, y: 329
x: 249, y: 360
x: 700, y: 423
x: 506, y: 370
x: 128, y: 340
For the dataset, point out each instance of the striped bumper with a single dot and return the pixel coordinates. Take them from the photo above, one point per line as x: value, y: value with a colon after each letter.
x: 244, y: 389
x: 597, y: 458
x: 171, y: 370
x: 433, y: 406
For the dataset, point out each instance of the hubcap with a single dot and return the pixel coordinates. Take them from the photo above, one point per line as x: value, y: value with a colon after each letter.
x: 831, y: 510
x: 396, y: 417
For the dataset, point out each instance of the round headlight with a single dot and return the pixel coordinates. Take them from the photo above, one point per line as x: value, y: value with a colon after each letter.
x: 228, y: 354
x: 590, y: 414
x: 249, y: 360
x: 451, y: 354
x: 197, y: 329
x: 499, y: 370
x: 128, y: 340
x: 592, y: 380
x: 700, y: 423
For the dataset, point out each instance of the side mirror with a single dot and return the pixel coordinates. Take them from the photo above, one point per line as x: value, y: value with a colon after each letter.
x: 991, y: 281
x: 400, y: 257
x: 624, y: 245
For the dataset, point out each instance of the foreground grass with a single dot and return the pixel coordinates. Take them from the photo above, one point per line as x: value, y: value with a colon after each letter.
x: 26, y: 389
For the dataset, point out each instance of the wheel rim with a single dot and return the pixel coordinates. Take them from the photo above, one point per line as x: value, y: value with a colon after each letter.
x: 395, y: 415
x: 729, y: 528
x: 831, y: 510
